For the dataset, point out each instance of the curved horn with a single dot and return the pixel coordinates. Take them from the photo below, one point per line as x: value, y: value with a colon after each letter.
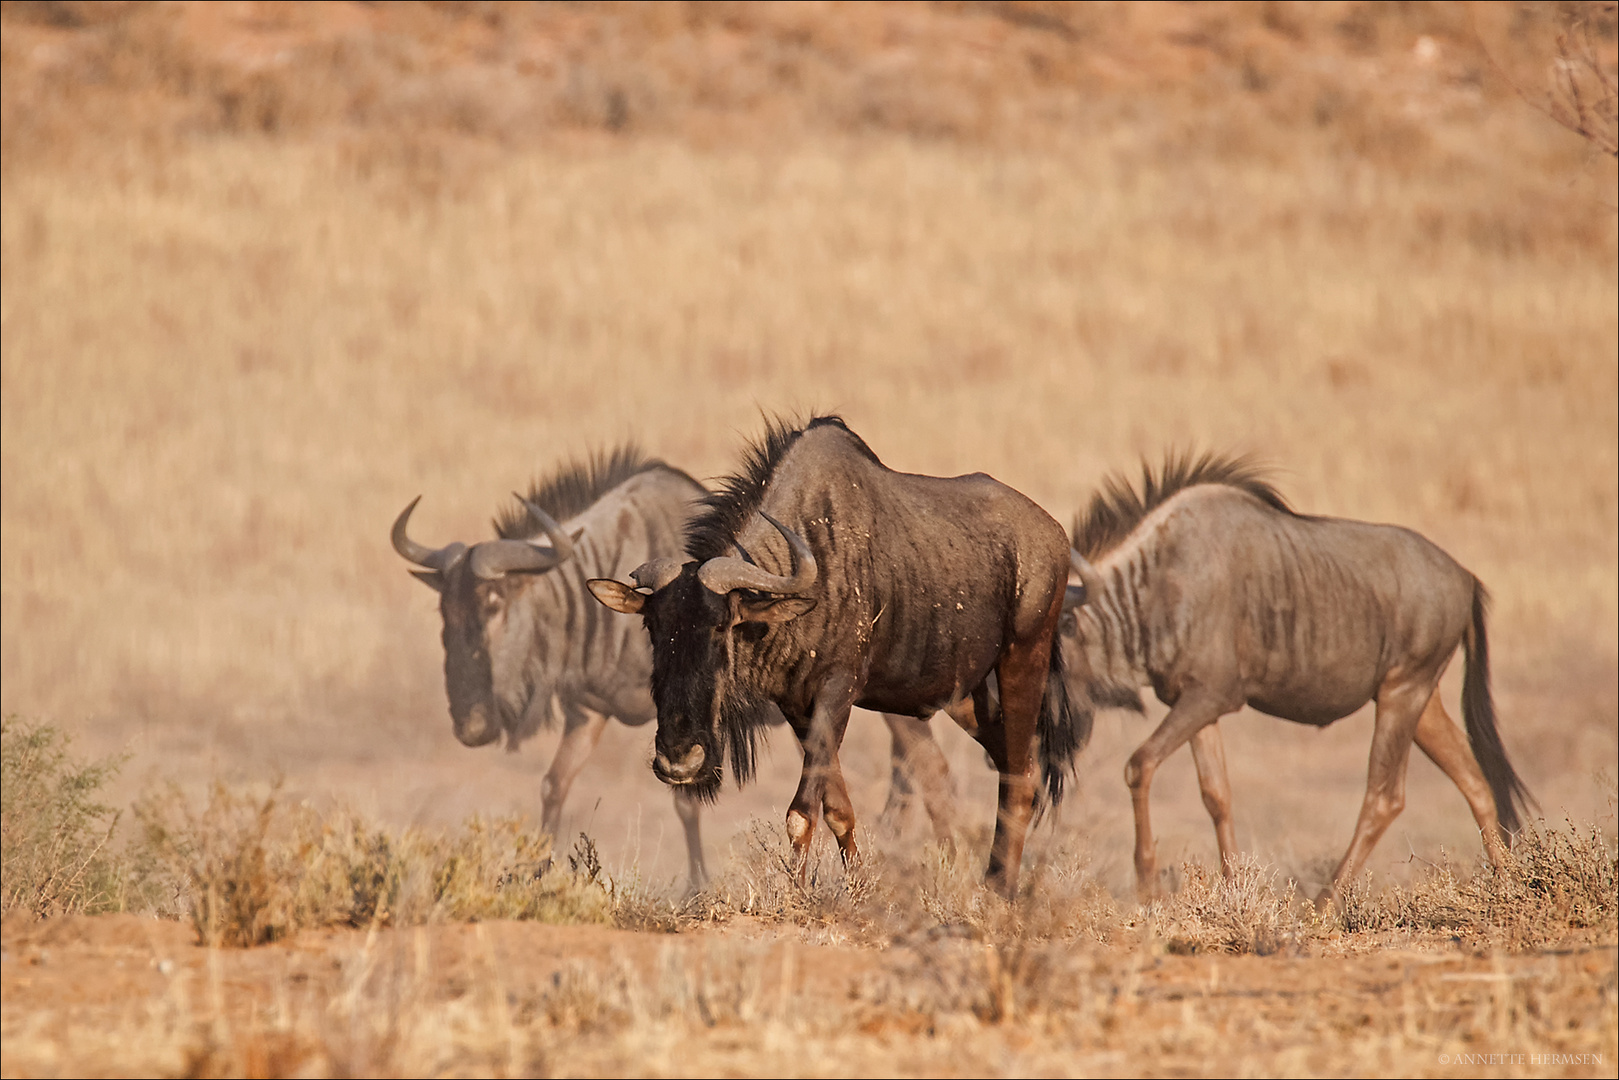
x: 1087, y: 574
x: 440, y: 559
x: 496, y: 557
x: 654, y: 575
x: 721, y: 575
x: 492, y: 558
x: 559, y: 539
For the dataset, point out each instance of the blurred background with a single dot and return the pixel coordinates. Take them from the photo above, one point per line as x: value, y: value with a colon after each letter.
x: 271, y: 270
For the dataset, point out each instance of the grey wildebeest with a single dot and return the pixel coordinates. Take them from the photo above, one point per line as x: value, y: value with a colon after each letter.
x: 519, y: 626
x: 1206, y: 586
x: 816, y: 580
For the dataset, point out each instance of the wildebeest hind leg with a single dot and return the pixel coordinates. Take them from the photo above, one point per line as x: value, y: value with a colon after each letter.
x: 1400, y: 702
x: 689, y: 810
x: 1444, y: 743
x: 1208, y: 751
x: 1021, y: 674
x: 918, y: 768
x: 581, y: 732
x: 1194, y: 710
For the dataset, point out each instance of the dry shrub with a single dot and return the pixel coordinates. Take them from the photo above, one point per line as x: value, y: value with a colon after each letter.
x: 250, y: 870
x: 1247, y: 912
x: 1554, y: 880
x: 54, y: 835
x: 762, y: 880
x: 934, y: 901
x: 1557, y: 885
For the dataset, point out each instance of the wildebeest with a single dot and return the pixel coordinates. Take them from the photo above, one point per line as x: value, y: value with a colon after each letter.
x: 1206, y: 586
x: 519, y: 626
x: 817, y: 579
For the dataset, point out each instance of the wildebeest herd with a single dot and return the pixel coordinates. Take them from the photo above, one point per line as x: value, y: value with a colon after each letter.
x: 815, y: 579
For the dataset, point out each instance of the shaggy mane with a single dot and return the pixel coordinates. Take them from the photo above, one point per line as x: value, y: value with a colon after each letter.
x: 572, y: 487
x: 710, y: 534
x: 1118, y: 508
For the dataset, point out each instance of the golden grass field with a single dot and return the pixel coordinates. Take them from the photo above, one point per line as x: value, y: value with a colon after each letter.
x: 264, y: 285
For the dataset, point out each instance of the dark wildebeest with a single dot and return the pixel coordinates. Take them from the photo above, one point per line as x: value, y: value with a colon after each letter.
x: 895, y: 592
x: 1207, y: 587
x: 519, y: 626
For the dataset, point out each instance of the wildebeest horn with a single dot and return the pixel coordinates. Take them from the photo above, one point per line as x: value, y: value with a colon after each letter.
x: 654, y: 575
x: 440, y: 559
x: 721, y: 575
x: 491, y: 560
x: 1087, y: 574
x: 560, y: 540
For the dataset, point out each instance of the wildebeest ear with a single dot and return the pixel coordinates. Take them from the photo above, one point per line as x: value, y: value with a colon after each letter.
x: 620, y: 597
x: 773, y: 609
x: 1074, y: 597
x: 431, y: 578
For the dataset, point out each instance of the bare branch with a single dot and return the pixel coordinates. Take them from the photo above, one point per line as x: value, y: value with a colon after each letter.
x: 1581, y: 92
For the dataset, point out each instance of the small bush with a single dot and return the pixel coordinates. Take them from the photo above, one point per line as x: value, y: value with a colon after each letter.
x: 251, y: 870
x: 1246, y: 912
x: 54, y: 834
x: 1555, y: 884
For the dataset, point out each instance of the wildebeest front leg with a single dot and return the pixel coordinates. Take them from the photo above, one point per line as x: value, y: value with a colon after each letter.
x: 919, y: 768
x: 582, y: 730
x: 1208, y: 752
x: 820, y: 785
x: 1195, y: 709
x: 689, y: 811
x: 1444, y: 743
x: 1400, y: 703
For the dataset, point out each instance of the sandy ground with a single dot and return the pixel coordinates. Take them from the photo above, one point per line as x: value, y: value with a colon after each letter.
x: 68, y: 982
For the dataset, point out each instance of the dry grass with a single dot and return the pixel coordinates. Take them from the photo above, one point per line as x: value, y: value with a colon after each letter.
x: 968, y: 985
x: 224, y: 377
x: 1558, y: 889
x: 910, y: 965
x: 249, y: 870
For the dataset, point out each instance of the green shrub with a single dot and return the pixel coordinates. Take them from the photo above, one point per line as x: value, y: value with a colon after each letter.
x: 55, y: 853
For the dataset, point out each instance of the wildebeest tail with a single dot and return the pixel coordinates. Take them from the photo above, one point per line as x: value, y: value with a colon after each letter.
x: 1478, y: 710
x: 1062, y: 733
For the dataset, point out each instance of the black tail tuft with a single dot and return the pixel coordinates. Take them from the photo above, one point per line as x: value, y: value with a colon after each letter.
x: 1478, y: 710
x: 1062, y: 732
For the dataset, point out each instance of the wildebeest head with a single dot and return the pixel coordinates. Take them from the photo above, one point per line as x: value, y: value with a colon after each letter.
x: 489, y: 635
x: 706, y: 621
x: 1089, y: 685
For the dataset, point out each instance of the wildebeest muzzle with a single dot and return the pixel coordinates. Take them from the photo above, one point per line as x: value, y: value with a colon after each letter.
x: 478, y: 727
x: 686, y: 769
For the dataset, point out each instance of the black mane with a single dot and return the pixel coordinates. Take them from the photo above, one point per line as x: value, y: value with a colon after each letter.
x: 710, y: 534
x: 1117, y: 508
x: 574, y: 486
